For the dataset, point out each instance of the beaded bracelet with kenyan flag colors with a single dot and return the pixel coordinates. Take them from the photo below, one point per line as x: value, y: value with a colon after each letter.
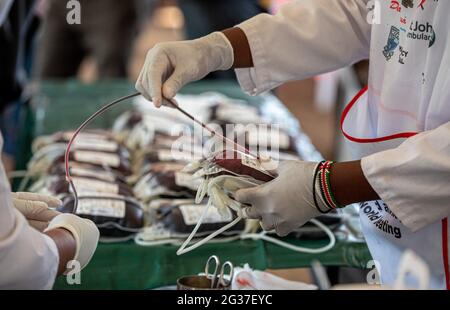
x: 325, y: 185
x: 315, y: 181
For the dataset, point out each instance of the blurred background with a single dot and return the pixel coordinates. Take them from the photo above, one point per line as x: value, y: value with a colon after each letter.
x: 37, y: 43
x: 113, y: 39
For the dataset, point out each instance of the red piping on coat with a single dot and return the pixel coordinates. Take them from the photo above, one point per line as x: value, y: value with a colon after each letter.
x: 445, y: 252
x: 347, y: 109
x: 368, y: 140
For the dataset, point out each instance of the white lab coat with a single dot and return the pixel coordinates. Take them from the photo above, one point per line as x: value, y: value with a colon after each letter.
x: 408, y: 93
x: 28, y: 258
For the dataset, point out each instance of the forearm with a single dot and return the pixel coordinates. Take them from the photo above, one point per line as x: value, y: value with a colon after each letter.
x: 349, y: 185
x: 66, y: 244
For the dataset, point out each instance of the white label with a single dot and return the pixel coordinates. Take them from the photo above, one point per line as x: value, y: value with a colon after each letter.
x: 82, y: 172
x: 155, y: 190
x: 192, y: 213
x: 96, y: 145
x: 238, y: 114
x: 169, y: 155
x: 84, y: 135
x: 84, y: 185
x: 158, y: 124
x: 97, y: 158
x: 252, y: 163
x: 269, y: 138
x: 164, y: 141
x: 165, y: 155
x: 102, y: 207
x: 187, y: 180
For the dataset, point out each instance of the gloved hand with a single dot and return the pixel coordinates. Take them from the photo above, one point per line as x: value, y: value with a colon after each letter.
x: 287, y: 202
x: 35, y: 208
x: 169, y: 66
x: 84, y: 231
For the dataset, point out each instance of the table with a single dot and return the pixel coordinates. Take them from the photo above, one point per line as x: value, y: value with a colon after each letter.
x: 129, y: 266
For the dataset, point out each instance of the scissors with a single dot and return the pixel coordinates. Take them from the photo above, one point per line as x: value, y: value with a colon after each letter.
x: 218, y: 276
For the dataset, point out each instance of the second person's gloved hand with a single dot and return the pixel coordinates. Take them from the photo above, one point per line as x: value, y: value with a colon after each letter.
x: 169, y: 66
x: 36, y: 208
x: 84, y: 231
x: 287, y: 202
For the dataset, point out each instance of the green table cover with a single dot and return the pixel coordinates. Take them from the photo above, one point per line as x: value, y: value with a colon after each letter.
x: 129, y: 266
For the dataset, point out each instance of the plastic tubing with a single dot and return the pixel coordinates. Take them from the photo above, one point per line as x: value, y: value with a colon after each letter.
x: 75, y: 134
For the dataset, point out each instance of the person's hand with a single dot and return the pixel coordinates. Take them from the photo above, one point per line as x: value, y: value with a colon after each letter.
x: 287, y: 202
x: 169, y: 66
x: 36, y: 208
x: 84, y: 231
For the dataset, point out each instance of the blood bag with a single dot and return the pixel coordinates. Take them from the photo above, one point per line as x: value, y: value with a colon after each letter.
x: 114, y: 215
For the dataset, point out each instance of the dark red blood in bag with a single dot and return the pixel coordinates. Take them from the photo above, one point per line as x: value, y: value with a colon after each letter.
x: 232, y: 161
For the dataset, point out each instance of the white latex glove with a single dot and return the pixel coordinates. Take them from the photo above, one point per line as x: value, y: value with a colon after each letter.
x: 84, y: 231
x: 287, y: 202
x: 35, y: 208
x: 171, y: 65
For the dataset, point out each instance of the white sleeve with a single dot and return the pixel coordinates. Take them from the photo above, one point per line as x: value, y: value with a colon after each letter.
x: 28, y: 258
x: 305, y: 38
x: 414, y: 179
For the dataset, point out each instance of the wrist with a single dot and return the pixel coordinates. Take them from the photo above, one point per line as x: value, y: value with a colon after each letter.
x: 349, y: 185
x: 324, y: 198
x: 240, y: 46
x: 219, y: 49
x: 66, y: 245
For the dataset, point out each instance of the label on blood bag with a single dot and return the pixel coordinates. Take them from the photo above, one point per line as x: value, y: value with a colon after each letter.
x: 152, y: 191
x: 102, y: 207
x: 85, y: 135
x: 270, y: 138
x: 187, y: 180
x: 148, y: 187
x: 84, y: 185
x: 164, y: 141
x: 83, y: 172
x: 96, y: 145
x: 252, y: 163
x: 165, y: 155
x: 192, y: 213
x: 238, y: 114
x: 211, y: 170
x: 142, y: 188
x: 172, y: 155
x: 97, y: 158
x: 158, y: 124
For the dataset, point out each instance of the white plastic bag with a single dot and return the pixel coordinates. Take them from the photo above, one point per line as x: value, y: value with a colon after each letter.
x: 248, y: 279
